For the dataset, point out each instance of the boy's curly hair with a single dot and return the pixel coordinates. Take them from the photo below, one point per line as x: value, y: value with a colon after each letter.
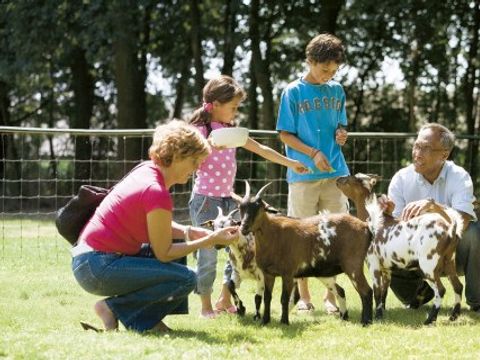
x: 179, y: 140
x: 325, y: 48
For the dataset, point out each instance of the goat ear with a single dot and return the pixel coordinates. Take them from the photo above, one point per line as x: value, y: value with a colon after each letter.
x: 373, y: 179
x: 270, y: 209
x: 236, y: 198
x: 375, y: 176
x: 207, y: 224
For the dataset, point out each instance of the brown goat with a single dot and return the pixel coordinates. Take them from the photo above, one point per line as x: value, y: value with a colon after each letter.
x: 319, y: 246
x: 358, y: 188
x: 426, y: 242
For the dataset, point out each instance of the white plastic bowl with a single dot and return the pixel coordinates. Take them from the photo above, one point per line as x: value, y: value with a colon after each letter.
x: 230, y: 137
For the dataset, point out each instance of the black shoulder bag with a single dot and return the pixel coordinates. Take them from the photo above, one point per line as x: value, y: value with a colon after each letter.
x: 71, y: 218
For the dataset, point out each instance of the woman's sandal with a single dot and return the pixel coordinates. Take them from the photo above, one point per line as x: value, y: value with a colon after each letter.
x: 87, y: 326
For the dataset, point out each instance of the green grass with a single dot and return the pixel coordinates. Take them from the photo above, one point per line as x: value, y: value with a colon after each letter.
x: 41, y: 306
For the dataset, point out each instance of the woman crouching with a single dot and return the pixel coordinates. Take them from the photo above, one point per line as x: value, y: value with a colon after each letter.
x: 125, y: 251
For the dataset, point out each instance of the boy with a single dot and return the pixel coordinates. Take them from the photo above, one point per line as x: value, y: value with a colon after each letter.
x: 311, y: 117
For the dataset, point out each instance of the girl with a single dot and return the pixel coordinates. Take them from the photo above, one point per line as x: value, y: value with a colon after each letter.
x: 215, y: 179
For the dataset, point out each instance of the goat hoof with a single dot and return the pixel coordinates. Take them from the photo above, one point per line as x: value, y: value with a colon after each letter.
x: 414, y: 305
x: 265, y: 321
x: 366, y: 322
x: 344, y: 316
x: 429, y: 322
x: 379, y: 315
x: 256, y: 317
x: 241, y: 311
x: 455, y: 312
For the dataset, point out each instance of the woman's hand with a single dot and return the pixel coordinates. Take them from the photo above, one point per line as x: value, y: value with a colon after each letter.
x: 298, y: 167
x: 341, y: 136
x: 225, y: 236
x: 321, y: 162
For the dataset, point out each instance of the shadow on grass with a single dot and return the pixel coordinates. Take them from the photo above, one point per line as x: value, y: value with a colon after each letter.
x: 472, y: 315
x: 201, y: 335
x: 294, y: 329
x: 414, y: 318
x: 406, y: 318
x: 234, y: 336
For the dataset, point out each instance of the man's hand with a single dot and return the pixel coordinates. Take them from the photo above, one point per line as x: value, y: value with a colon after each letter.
x: 386, y: 204
x: 416, y: 208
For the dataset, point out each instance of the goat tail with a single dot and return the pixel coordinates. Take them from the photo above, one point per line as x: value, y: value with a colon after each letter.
x: 456, y: 226
x: 452, y: 241
x: 375, y: 214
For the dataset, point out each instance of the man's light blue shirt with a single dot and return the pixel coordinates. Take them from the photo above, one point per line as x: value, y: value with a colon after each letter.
x: 452, y: 188
x: 313, y: 112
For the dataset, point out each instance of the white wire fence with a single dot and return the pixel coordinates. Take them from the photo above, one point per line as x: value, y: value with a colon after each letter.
x: 41, y: 169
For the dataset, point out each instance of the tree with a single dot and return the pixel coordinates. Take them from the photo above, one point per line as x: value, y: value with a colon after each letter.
x: 129, y: 35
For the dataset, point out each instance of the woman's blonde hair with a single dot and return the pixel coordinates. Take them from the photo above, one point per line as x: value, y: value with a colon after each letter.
x: 178, y: 140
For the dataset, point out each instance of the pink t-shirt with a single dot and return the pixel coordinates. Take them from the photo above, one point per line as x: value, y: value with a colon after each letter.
x: 216, y: 175
x: 120, y: 222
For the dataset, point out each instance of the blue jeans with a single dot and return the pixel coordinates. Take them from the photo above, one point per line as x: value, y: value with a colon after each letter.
x: 141, y: 290
x: 204, y: 208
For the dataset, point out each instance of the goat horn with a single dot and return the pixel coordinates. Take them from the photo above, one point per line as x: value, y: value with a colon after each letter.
x: 259, y: 193
x: 247, y: 190
x: 220, y: 212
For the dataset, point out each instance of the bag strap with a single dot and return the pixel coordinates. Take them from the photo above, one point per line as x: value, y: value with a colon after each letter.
x: 131, y: 170
x: 124, y: 176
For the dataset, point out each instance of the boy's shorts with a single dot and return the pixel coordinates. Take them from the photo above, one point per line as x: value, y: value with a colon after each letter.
x: 308, y: 198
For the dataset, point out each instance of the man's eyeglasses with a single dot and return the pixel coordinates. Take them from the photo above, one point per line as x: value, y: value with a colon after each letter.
x: 425, y: 149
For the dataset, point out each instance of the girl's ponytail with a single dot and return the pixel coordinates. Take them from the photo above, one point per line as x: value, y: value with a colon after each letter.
x: 221, y: 89
x: 201, y: 117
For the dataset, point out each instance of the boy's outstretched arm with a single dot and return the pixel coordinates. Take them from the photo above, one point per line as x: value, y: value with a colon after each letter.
x: 274, y: 156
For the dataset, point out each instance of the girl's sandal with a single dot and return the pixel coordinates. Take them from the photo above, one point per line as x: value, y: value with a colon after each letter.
x: 209, y: 316
x: 232, y: 309
x: 306, y: 307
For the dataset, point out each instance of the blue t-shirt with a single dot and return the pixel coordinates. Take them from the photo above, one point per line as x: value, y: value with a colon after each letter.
x: 313, y: 112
